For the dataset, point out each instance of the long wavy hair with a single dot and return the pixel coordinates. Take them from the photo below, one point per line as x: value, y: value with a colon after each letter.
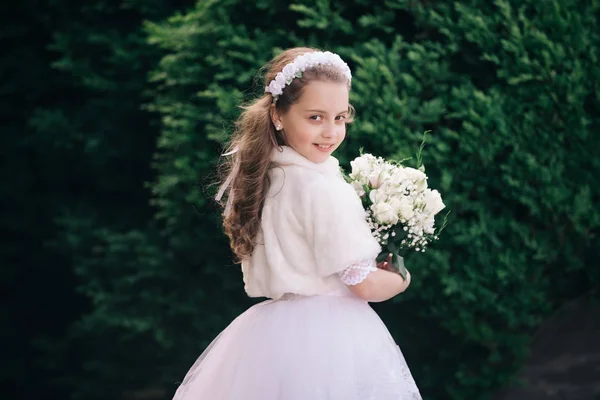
x: 252, y: 144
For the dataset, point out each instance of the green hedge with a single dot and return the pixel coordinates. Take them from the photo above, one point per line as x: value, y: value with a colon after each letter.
x: 509, y: 91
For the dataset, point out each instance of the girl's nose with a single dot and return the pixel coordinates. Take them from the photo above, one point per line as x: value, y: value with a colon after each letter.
x: 330, y: 130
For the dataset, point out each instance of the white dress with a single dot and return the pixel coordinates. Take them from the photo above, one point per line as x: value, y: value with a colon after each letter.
x: 313, y: 339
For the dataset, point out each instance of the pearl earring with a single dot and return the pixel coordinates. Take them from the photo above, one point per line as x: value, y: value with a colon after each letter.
x: 278, y: 127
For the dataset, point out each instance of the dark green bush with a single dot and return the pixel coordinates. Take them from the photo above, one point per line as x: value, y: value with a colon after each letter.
x: 509, y: 90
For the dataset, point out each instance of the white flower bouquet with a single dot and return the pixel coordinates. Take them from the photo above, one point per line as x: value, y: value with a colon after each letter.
x: 400, y: 208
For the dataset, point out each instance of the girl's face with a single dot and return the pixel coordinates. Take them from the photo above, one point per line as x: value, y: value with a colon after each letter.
x: 316, y: 125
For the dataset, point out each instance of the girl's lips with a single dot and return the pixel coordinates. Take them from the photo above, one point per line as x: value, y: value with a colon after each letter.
x: 324, y: 150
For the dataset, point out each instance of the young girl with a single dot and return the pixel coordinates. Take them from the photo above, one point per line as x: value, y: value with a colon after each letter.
x: 299, y: 231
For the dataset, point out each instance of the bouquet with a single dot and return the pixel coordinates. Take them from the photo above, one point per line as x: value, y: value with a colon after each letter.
x: 400, y: 208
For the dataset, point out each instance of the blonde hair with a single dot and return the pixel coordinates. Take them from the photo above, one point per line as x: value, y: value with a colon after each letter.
x: 253, y: 140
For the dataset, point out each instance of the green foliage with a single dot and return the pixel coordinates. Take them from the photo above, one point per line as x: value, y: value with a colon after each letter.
x: 76, y: 147
x: 509, y: 91
x: 507, y: 97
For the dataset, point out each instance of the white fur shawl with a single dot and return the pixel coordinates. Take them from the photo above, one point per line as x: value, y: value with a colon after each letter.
x: 313, y: 226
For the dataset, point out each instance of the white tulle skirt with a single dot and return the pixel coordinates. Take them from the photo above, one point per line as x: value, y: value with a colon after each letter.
x: 302, y: 348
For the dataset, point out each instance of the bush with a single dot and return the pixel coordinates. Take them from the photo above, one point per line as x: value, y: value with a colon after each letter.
x: 510, y: 93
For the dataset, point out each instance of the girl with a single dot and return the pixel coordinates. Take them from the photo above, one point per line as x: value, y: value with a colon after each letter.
x: 300, y: 233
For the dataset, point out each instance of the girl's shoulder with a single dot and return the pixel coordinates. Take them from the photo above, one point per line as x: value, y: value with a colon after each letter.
x: 298, y: 180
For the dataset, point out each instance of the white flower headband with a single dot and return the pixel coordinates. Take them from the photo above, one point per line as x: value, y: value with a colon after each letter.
x: 302, y: 63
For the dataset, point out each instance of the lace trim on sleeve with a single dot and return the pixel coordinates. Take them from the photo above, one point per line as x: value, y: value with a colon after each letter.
x: 357, y: 272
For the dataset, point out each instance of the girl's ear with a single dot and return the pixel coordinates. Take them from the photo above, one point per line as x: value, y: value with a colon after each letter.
x: 275, y: 117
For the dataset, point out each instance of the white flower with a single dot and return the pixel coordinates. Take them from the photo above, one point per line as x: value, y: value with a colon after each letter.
x: 382, y: 175
x: 301, y: 64
x: 406, y: 208
x: 417, y: 177
x: 377, y: 196
x: 288, y: 72
x: 275, y: 88
x: 395, y: 203
x: 433, y: 202
x: 428, y: 225
x: 399, y: 176
x: 374, y: 179
x: 363, y: 165
x: 280, y: 79
x: 358, y: 188
x: 384, y: 213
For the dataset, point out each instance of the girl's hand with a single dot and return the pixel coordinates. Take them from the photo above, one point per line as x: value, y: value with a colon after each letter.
x: 386, y: 264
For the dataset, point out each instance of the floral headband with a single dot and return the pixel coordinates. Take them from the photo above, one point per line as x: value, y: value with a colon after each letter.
x: 299, y: 65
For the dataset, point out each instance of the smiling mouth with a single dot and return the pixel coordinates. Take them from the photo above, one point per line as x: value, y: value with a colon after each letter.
x: 324, y: 146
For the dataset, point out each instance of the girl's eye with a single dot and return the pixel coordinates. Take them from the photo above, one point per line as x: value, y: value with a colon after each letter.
x: 318, y: 117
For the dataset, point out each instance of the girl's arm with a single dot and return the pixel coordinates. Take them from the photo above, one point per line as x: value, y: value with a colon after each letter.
x: 380, y: 285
